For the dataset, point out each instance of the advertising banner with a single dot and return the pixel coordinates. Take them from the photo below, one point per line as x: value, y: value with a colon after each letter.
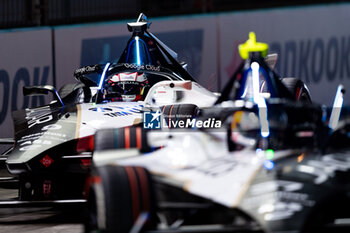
x: 313, y: 43
x: 25, y: 59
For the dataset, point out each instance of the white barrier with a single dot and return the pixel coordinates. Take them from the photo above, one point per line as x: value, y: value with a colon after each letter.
x: 313, y: 43
x: 25, y: 59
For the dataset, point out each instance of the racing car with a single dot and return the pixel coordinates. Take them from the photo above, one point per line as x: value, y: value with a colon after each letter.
x: 276, y: 165
x: 53, y: 144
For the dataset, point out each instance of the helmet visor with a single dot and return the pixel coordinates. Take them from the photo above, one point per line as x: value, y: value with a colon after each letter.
x: 124, y: 88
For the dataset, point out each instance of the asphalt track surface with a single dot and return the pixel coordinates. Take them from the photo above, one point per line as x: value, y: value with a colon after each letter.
x: 39, y: 220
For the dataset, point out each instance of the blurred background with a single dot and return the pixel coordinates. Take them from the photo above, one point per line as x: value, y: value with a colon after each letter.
x: 44, y: 41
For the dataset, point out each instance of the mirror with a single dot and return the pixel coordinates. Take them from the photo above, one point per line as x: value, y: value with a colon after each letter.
x: 41, y: 90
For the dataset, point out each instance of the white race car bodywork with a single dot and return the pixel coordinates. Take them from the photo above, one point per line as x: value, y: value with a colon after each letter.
x: 93, y: 117
x: 122, y: 114
x: 47, y: 130
x: 180, y: 92
x: 197, y: 162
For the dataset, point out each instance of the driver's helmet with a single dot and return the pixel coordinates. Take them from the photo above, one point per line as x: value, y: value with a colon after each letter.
x: 126, y: 87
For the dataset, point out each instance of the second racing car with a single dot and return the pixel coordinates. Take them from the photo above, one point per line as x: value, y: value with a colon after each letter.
x: 275, y: 165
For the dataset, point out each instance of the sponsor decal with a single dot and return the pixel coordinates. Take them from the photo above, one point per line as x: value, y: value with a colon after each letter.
x: 46, y: 161
x: 100, y: 109
x: 37, y: 117
x: 325, y: 168
x: 86, y: 69
x: 142, y: 67
x: 152, y: 120
x: 278, y: 200
x: 46, y: 137
x: 51, y: 127
x: 117, y: 111
x: 47, y: 187
x: 219, y: 167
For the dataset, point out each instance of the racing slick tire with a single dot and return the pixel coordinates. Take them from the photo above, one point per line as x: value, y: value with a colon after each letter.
x: 121, y: 138
x: 120, y: 198
x: 179, y: 112
x: 298, y: 89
